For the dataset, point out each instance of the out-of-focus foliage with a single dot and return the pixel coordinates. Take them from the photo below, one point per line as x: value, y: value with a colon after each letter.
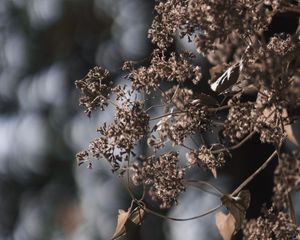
x: 44, y: 47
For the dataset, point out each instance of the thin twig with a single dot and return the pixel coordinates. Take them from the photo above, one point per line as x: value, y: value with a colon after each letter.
x: 142, y: 205
x: 291, y: 209
x: 290, y: 9
x: 198, y: 183
x: 104, y: 98
x: 188, y: 148
x: 175, y: 93
x: 194, y: 141
x: 144, y: 193
x: 179, y: 219
x: 251, y: 177
x: 235, y: 146
x: 153, y: 106
x: 128, y: 178
x: 219, y: 124
x: 217, y: 108
x: 167, y: 114
x: 242, y: 142
x: 163, y: 93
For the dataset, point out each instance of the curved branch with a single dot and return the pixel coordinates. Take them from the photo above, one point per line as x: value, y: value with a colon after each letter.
x: 198, y: 183
x: 178, y: 219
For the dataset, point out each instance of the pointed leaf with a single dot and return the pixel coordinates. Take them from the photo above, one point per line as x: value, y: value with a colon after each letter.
x: 225, y: 224
x: 219, y: 83
x: 120, y: 229
x: 127, y: 221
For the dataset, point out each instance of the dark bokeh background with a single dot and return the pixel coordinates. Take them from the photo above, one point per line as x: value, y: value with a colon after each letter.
x: 45, y: 45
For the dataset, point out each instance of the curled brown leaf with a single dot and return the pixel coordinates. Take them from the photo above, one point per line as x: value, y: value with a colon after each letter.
x: 127, y: 220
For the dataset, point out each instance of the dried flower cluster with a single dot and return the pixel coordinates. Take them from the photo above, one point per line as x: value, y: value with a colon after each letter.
x: 240, y: 121
x: 205, y: 158
x: 96, y: 88
x: 273, y: 224
x: 254, y: 89
x: 209, y: 21
x: 163, y: 175
x: 119, y: 138
x: 172, y: 68
x: 287, y: 178
x: 129, y: 126
x: 189, y: 118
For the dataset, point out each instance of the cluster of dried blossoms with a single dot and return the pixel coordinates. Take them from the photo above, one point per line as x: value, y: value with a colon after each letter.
x: 162, y: 174
x: 286, y: 178
x: 255, y: 89
x: 273, y: 224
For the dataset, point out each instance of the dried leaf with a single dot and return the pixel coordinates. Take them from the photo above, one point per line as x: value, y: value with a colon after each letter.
x: 225, y: 224
x: 290, y: 134
x: 137, y: 216
x: 229, y: 224
x: 128, y: 220
x: 237, y: 206
x: 226, y: 80
x: 120, y: 229
x: 214, y: 172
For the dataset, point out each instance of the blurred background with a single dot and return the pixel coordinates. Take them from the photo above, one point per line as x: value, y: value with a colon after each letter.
x: 45, y: 45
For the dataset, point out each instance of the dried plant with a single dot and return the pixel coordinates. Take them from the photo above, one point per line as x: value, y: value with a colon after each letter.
x: 255, y: 83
